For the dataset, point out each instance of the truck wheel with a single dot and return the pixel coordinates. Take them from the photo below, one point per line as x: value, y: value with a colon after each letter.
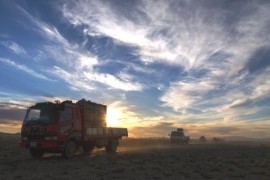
x: 70, y: 149
x: 36, y: 153
x: 111, y: 146
x: 88, y: 149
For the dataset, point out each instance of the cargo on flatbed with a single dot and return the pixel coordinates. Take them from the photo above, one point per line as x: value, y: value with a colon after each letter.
x: 93, y: 114
x: 64, y: 127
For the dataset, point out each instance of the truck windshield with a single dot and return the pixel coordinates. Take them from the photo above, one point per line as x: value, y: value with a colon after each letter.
x: 177, y: 134
x: 44, y: 115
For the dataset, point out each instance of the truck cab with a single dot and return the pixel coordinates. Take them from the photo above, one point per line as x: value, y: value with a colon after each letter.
x: 47, y: 127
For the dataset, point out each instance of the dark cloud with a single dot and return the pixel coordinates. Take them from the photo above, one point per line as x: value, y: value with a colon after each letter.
x: 11, y: 114
x: 259, y: 61
x: 223, y: 130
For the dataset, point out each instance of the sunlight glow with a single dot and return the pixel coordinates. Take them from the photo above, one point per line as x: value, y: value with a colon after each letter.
x: 113, y: 116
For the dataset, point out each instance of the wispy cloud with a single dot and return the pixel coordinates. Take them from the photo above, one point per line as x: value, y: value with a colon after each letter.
x: 187, y: 37
x: 182, y: 33
x: 77, y: 64
x: 25, y: 69
x: 182, y: 95
x: 114, y: 82
x: 16, y: 48
x: 76, y: 81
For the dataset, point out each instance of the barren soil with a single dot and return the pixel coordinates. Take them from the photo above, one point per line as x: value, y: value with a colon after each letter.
x: 142, y: 159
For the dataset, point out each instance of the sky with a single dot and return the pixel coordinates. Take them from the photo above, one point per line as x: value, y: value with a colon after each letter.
x: 158, y: 65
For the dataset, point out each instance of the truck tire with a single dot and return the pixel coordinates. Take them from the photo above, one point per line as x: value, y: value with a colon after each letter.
x: 36, y: 153
x: 112, y: 146
x: 70, y: 149
x: 88, y: 148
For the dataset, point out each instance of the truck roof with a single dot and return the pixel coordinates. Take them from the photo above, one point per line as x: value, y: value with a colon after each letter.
x: 82, y: 101
x: 45, y: 104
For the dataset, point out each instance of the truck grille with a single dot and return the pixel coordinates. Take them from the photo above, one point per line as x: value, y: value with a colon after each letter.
x: 36, y: 137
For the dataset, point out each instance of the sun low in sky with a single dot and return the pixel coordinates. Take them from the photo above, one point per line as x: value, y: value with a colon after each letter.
x: 158, y: 65
x: 113, y: 117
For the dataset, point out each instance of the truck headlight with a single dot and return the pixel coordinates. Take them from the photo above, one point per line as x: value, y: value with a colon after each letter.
x: 51, y: 138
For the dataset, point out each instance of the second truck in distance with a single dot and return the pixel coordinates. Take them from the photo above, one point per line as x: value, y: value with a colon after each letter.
x: 178, y: 137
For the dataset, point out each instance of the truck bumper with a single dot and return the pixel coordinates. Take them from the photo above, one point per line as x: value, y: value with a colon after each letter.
x: 40, y: 144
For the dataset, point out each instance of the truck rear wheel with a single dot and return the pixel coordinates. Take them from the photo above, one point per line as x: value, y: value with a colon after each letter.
x: 112, y: 146
x: 70, y: 149
x: 36, y: 153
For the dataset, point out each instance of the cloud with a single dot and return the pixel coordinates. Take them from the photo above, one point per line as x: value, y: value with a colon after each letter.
x: 22, y: 101
x: 160, y: 129
x: 182, y: 33
x: 224, y: 130
x: 25, y: 69
x: 114, y: 82
x: 227, y: 55
x: 12, y: 104
x: 182, y: 95
x: 16, y: 48
x: 12, y: 114
x: 104, y: 21
x: 259, y: 86
x: 156, y: 118
x: 8, y: 126
x: 259, y: 60
x: 164, y: 33
x: 214, y: 54
x: 75, y: 80
x: 76, y: 65
x: 214, y: 104
x: 87, y: 62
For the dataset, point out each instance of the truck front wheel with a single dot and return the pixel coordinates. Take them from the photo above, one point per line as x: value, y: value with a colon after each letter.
x: 70, y: 149
x: 36, y: 153
x: 112, y: 146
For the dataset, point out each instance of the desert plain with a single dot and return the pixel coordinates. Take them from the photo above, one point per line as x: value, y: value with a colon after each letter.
x: 142, y: 159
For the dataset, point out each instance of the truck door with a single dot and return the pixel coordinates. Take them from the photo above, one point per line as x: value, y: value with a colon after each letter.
x: 66, y: 120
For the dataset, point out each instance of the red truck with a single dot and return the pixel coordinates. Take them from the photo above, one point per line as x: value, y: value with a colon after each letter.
x: 64, y: 127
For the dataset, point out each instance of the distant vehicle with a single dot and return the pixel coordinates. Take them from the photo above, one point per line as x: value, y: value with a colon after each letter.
x: 179, y: 137
x: 202, y: 139
x: 64, y: 127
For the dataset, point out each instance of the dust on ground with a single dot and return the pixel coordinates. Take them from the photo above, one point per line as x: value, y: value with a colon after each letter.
x: 142, y: 159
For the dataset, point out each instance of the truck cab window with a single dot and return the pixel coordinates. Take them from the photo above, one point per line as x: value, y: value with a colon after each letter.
x: 67, y: 114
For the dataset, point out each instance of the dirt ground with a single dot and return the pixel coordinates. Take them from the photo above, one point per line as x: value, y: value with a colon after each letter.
x: 142, y: 159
